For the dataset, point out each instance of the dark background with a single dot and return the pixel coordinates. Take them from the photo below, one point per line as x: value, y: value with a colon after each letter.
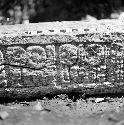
x: 57, y: 10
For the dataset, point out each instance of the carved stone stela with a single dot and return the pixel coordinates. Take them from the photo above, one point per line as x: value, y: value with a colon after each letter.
x: 81, y: 55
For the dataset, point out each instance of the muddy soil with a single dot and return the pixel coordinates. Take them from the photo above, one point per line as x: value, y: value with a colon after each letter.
x: 61, y: 110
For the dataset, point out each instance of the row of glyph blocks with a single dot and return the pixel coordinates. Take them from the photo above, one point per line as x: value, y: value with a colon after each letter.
x: 74, y: 63
x: 60, y: 55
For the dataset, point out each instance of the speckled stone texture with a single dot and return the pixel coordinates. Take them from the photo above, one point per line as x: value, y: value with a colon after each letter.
x: 61, y: 57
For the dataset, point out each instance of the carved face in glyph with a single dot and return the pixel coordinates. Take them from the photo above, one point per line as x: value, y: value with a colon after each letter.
x: 16, y: 55
x: 94, y: 52
x: 68, y: 54
x: 36, y: 56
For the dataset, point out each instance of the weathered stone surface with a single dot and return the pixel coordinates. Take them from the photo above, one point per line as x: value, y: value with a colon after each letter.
x: 35, y: 78
x: 13, y: 76
x: 31, y: 78
x: 36, y: 56
x: 60, y: 57
x: 74, y: 77
x: 16, y: 55
x: 51, y: 54
x: 68, y: 54
x: 1, y: 58
x: 3, y: 81
x: 50, y: 75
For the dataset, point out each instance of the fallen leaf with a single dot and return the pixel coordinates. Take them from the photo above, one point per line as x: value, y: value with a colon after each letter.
x: 38, y: 106
x: 99, y: 100
x: 3, y: 115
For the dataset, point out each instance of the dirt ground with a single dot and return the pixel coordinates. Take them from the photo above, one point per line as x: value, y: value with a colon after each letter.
x: 62, y: 110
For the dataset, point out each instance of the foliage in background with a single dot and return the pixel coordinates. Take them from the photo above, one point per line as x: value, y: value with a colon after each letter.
x: 24, y: 11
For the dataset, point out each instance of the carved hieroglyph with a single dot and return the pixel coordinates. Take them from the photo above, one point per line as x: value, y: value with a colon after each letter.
x: 59, y: 56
